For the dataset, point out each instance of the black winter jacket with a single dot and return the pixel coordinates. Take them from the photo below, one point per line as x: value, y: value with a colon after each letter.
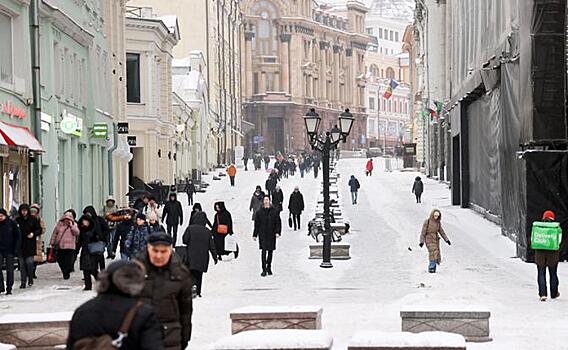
x: 173, y: 213
x: 278, y: 200
x: 168, y: 290
x: 266, y: 225
x: 10, y: 239
x: 105, y: 314
x: 28, y: 224
x: 296, y: 203
x: 200, y: 243
x: 418, y: 187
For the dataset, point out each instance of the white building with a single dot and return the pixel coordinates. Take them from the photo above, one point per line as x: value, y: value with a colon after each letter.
x: 149, y: 44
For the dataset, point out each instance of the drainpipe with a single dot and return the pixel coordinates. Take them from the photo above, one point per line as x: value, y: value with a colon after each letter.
x: 110, y: 162
x: 36, y: 85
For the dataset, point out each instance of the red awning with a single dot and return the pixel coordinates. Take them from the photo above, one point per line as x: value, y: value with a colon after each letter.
x: 14, y: 135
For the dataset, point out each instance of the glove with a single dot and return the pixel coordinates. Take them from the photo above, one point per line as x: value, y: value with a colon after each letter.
x: 254, y: 238
x: 421, y: 245
x: 448, y: 241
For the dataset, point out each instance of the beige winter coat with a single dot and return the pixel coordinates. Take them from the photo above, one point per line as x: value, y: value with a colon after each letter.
x: 431, y: 232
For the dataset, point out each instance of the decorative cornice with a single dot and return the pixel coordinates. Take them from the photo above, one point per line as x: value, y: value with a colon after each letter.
x: 358, y: 45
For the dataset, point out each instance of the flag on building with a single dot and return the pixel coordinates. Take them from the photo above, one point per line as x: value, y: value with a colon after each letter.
x: 388, y: 92
x: 435, y: 108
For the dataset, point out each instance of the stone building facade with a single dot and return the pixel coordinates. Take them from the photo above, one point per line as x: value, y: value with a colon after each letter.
x: 298, y: 56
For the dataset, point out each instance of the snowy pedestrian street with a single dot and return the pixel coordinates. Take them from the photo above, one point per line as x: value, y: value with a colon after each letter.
x: 387, y: 271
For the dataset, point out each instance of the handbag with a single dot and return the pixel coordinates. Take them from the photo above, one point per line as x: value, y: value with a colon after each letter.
x: 290, y: 221
x: 96, y: 248
x: 105, y: 342
x: 51, y: 254
x: 222, y: 229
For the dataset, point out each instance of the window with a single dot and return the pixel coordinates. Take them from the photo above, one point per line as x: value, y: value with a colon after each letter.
x: 370, y: 31
x: 390, y: 73
x: 255, y: 83
x: 391, y: 35
x: 270, y: 82
x: 133, y: 77
x: 6, y: 52
x: 374, y: 70
x: 396, y: 36
x: 371, y: 103
x: 266, y: 38
x: 380, y: 33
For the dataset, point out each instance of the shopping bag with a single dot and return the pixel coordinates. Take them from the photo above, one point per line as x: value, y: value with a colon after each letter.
x: 230, y: 244
x: 546, y: 235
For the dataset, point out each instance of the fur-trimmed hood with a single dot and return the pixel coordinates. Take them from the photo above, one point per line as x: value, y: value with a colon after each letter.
x: 122, y: 277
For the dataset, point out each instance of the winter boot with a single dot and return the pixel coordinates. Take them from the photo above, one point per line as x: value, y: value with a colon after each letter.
x: 543, y: 298
x: 263, y: 273
x: 269, y: 271
x: 432, y: 270
x: 556, y: 296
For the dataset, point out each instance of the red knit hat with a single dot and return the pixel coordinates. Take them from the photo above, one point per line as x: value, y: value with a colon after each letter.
x: 549, y: 214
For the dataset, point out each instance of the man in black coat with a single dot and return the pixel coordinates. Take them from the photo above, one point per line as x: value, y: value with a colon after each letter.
x: 118, y: 288
x: 418, y: 188
x: 173, y: 216
x: 199, y: 242
x: 30, y: 229
x: 168, y: 290
x: 267, y: 228
x: 278, y: 199
x: 296, y: 207
x: 10, y: 243
x: 190, y: 190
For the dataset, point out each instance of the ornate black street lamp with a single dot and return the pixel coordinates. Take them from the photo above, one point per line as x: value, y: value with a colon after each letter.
x: 325, y: 146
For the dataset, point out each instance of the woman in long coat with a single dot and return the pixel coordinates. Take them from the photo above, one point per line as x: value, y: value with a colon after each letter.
x: 431, y: 232
x: 88, y: 262
x: 222, y: 217
x: 267, y: 227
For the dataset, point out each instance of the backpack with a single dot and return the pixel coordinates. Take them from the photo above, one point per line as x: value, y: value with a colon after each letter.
x: 546, y: 235
x: 105, y: 342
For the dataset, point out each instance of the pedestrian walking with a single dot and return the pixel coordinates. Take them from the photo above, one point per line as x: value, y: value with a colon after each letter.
x: 316, y: 165
x: 200, y: 243
x: 173, y: 216
x: 296, y: 207
x: 431, y: 232
x: 153, y: 207
x: 267, y: 228
x: 270, y: 184
x: 198, y: 209
x: 292, y: 166
x: 92, y: 248
x: 301, y: 166
x: 10, y: 243
x: 137, y: 238
x: 116, y: 312
x: 369, y: 167
x: 29, y: 230
x: 101, y: 230
x: 190, y: 190
x: 418, y: 188
x: 154, y: 225
x: 141, y: 202
x: 64, y: 241
x: 278, y: 199
x: 35, y: 211
x: 110, y: 208
x: 547, y: 255
x: 123, y: 227
x: 256, y: 200
x: 232, y: 172
x: 77, y: 248
x: 245, y: 161
x: 354, y: 187
x: 266, y: 162
x: 222, y: 226
x: 168, y: 289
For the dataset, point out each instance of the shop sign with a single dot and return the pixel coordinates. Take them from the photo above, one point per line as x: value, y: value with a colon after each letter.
x: 122, y: 128
x: 131, y: 141
x: 100, y: 130
x: 71, y: 124
x: 13, y: 111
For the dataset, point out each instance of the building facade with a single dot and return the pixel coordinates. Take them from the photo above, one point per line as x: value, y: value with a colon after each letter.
x: 19, y: 149
x: 77, y: 107
x: 152, y: 126
x: 298, y: 56
x: 214, y: 28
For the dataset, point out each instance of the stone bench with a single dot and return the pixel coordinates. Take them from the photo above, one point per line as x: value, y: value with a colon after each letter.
x: 275, y: 317
x: 339, y: 251
x: 472, y: 323
x: 280, y: 339
x: 35, y: 331
x: 339, y: 227
x: 406, y: 341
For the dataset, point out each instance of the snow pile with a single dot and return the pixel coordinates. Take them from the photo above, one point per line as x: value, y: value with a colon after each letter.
x: 454, y: 307
x: 281, y: 339
x: 7, y: 347
x: 36, y: 317
x: 405, y: 339
x: 276, y: 309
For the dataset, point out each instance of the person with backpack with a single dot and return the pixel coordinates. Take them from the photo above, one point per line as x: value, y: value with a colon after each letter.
x: 546, y: 237
x: 418, y: 188
x: 430, y: 235
x: 63, y: 239
x: 354, y: 187
x: 115, y: 311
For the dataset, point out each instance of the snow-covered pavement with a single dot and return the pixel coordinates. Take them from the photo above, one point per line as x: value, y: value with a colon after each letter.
x: 368, y: 291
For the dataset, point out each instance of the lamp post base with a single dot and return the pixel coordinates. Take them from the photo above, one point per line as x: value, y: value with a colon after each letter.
x: 326, y: 265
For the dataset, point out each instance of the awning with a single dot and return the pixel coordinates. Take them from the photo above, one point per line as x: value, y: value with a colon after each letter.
x: 14, y: 135
x: 247, y: 126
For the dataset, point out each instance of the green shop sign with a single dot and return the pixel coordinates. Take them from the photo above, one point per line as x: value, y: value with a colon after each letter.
x: 100, y: 130
x: 71, y: 124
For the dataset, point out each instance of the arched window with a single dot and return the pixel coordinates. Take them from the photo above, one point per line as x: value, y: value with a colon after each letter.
x: 266, y: 33
x: 390, y: 73
x: 374, y: 70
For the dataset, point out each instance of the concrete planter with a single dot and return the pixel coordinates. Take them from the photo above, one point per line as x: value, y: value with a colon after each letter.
x: 339, y: 251
x: 257, y: 317
x: 473, y: 325
x: 34, y: 331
